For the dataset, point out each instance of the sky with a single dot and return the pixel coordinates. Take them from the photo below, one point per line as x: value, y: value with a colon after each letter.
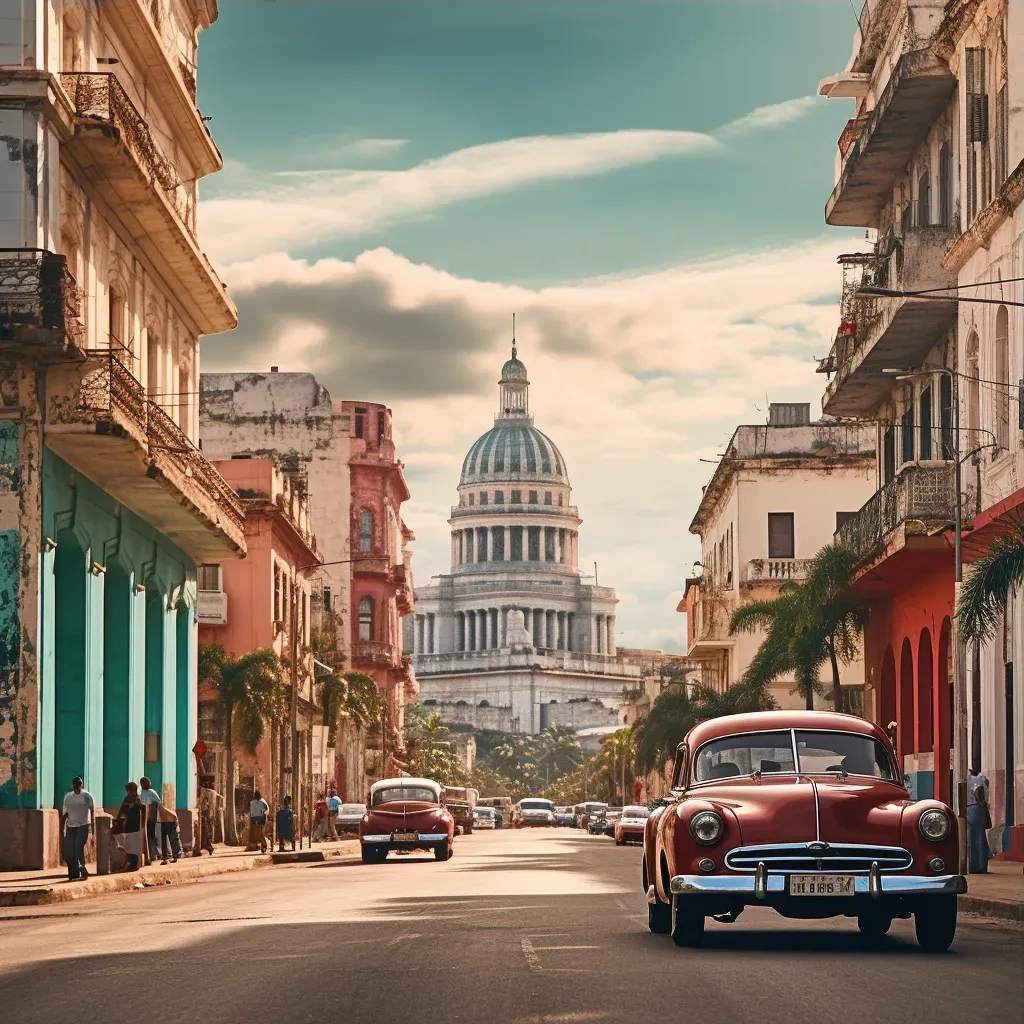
x: 641, y: 183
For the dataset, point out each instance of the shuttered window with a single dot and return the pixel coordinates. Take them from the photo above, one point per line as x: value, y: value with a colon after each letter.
x: 925, y: 420
x: 780, y: 535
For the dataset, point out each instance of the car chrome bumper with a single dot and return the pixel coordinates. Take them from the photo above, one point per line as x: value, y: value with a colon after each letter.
x: 422, y: 837
x: 748, y: 885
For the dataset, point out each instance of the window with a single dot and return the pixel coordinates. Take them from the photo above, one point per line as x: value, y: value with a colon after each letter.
x: 843, y: 517
x: 327, y: 599
x: 469, y: 547
x: 907, y: 435
x: 360, y: 422
x: 365, y: 531
x: 547, y: 497
x: 780, y: 535
x: 404, y: 794
x: 946, y: 185
x: 946, y: 416
x: 517, y: 497
x: 381, y: 425
x: 277, y: 593
x: 924, y: 200
x: 498, y: 544
x: 1000, y: 394
x: 888, y: 455
x: 499, y: 497
x: 924, y: 447
x: 973, y: 394
x: 534, y: 542
x: 549, y: 546
x: 560, y: 501
x: 1002, y: 154
x: 208, y: 576
x: 471, y: 499
x: 483, y: 497
x: 516, y: 540
x: 977, y: 130
x: 734, y: 756
x: 533, y: 497
x: 366, y: 618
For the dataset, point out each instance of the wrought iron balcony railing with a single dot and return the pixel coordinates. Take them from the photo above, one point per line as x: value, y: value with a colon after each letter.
x: 920, y: 494
x: 167, y: 437
x: 40, y: 303
x: 107, y: 395
x: 376, y: 652
x: 777, y: 570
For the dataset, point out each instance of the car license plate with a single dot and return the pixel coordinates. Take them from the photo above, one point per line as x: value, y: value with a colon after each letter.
x: 821, y: 885
x: 406, y: 837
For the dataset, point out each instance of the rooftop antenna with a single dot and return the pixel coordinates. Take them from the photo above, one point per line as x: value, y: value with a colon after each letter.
x: 513, y: 335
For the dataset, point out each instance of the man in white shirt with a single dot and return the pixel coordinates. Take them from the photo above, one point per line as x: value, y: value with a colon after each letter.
x: 258, y: 811
x: 151, y: 799
x: 77, y: 816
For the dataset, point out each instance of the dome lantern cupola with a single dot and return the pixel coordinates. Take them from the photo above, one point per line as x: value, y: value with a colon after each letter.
x: 515, y: 387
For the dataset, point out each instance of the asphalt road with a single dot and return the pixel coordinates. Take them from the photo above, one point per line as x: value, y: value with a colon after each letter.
x: 518, y: 927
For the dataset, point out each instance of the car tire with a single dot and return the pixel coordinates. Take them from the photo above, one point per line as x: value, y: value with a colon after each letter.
x: 659, y: 915
x: 619, y: 842
x: 874, y: 925
x: 687, y: 927
x: 442, y: 851
x: 373, y: 854
x: 935, y: 923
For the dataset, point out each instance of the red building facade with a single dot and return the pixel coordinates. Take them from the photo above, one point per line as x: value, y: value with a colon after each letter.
x: 382, y: 588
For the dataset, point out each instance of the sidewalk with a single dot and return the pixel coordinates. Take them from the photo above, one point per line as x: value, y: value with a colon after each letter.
x: 42, y: 888
x: 1000, y: 893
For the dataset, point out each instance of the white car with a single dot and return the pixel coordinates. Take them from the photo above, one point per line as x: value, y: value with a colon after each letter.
x: 349, y: 817
x: 484, y: 818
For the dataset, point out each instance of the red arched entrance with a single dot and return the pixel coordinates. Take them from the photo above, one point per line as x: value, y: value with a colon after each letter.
x: 905, y: 711
x: 925, y: 693
x: 943, y: 716
x: 887, y: 690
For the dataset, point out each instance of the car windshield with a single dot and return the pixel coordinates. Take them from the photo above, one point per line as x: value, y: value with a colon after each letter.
x: 536, y: 805
x: 851, y: 752
x: 395, y: 794
x: 483, y: 812
x: 352, y: 809
x: 635, y: 812
x: 772, y: 753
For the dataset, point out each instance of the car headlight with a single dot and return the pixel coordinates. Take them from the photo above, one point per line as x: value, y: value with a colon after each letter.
x: 706, y: 827
x: 934, y: 825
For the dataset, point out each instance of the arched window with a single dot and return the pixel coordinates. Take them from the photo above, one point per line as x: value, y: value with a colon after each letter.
x: 366, y: 618
x: 116, y: 310
x: 973, y: 396
x: 365, y: 531
x: 1002, y: 370
x: 924, y: 200
x: 153, y: 375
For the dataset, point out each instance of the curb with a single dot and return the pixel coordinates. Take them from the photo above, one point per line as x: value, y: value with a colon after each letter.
x: 1003, y: 909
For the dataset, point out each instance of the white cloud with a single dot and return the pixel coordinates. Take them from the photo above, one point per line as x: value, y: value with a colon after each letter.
x: 775, y: 115
x: 636, y: 377
x: 370, y: 148
x: 330, y: 205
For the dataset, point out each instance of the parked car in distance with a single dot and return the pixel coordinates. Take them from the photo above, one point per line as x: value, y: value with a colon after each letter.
x: 461, y: 802
x: 533, y: 812
x: 485, y: 818
x: 502, y: 804
x: 596, y: 822
x: 564, y: 817
x: 611, y: 819
x: 406, y: 815
x: 631, y: 824
x: 805, y: 812
x: 349, y: 817
x: 584, y: 811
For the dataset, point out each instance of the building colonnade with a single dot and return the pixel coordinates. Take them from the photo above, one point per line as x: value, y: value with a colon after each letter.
x: 481, y: 544
x: 483, y: 629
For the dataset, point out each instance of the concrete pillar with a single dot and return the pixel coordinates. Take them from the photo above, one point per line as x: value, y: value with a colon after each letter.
x: 460, y: 631
x: 598, y: 634
x: 187, y: 714
x: 502, y: 624
x: 431, y: 633
x: 508, y: 543
x: 610, y: 648
x: 570, y: 631
x: 470, y: 631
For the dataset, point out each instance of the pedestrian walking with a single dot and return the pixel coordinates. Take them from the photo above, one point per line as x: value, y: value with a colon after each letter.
x: 167, y: 823
x: 151, y: 801
x: 128, y: 829
x: 77, y: 817
x: 320, y: 828
x: 258, y: 811
x: 209, y: 800
x: 284, y: 822
x: 979, y: 821
x: 333, y: 810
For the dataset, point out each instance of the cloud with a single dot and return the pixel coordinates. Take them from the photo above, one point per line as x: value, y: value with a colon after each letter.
x: 635, y: 376
x: 346, y: 203
x: 776, y: 115
x: 369, y: 148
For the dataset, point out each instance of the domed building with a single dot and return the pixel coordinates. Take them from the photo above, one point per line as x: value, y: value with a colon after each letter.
x: 513, y: 638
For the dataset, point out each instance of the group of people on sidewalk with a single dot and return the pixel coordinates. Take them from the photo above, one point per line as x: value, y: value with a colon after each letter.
x: 326, y: 815
x: 144, y: 829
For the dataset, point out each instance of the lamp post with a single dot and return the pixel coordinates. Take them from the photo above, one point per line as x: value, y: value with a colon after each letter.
x: 960, y: 766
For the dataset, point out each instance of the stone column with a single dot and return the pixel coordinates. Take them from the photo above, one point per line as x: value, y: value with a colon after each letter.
x: 508, y: 543
x: 431, y: 633
x: 484, y: 536
x: 611, y: 634
x: 470, y: 632
x: 598, y: 638
x: 417, y: 637
x: 570, y: 629
x: 481, y: 627
x: 502, y: 625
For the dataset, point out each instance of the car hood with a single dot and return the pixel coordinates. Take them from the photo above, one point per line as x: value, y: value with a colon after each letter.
x: 401, y: 814
x: 799, y: 810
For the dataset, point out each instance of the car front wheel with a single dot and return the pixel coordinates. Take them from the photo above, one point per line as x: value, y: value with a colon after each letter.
x: 374, y: 854
x: 874, y: 925
x: 935, y: 923
x: 687, y: 922
x: 442, y: 851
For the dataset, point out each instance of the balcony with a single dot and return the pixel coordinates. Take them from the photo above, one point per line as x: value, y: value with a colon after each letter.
x: 367, y: 564
x: 212, y: 607
x: 711, y: 628
x: 879, y: 147
x: 377, y: 653
x: 40, y: 305
x: 878, y: 332
x: 118, y: 154
x: 912, y: 511
x: 762, y: 571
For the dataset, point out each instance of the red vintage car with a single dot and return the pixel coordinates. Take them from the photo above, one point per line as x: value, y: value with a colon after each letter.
x: 804, y: 812
x: 406, y: 814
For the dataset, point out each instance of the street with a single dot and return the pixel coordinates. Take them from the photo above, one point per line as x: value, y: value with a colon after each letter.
x: 519, y: 926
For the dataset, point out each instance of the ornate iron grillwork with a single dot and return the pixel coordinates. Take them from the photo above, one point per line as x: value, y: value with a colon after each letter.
x: 188, y: 76
x: 38, y: 293
x: 107, y: 391
x: 98, y: 96
x: 167, y: 437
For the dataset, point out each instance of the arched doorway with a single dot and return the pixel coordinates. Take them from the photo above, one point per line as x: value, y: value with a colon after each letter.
x: 887, y: 690
x: 925, y: 685
x: 943, y: 716
x: 70, y: 637
x: 905, y: 712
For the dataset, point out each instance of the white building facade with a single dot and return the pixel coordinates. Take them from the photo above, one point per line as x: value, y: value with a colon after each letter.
x: 513, y: 638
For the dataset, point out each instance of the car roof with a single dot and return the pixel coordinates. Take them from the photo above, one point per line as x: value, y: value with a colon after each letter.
x: 757, y: 721
x: 390, y: 783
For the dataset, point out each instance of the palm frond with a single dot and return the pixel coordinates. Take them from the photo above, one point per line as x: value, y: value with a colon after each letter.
x: 989, y: 583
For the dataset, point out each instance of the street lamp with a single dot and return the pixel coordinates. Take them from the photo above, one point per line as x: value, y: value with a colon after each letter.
x: 960, y: 766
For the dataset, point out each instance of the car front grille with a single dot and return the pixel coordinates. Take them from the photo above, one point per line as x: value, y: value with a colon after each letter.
x: 809, y: 858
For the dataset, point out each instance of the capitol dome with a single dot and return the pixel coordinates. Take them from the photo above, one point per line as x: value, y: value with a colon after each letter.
x: 514, y: 450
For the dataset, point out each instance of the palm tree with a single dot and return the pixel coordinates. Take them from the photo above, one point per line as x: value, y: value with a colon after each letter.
x: 676, y: 711
x: 250, y: 690
x: 807, y: 625
x: 556, y: 751
x: 331, y: 694
x: 362, y: 702
x: 991, y: 581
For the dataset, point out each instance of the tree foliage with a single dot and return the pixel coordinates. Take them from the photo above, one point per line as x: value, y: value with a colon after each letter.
x: 990, y: 582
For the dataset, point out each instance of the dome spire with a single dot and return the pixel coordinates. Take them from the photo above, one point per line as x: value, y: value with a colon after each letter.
x: 514, y: 401
x: 514, y: 336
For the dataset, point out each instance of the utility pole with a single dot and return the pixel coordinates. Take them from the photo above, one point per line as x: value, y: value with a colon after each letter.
x: 294, y: 651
